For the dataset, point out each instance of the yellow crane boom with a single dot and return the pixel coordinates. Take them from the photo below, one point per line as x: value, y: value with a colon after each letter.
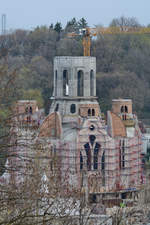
x: 88, y: 32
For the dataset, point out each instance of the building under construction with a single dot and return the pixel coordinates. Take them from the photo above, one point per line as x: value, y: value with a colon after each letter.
x: 100, y: 156
x: 97, y: 156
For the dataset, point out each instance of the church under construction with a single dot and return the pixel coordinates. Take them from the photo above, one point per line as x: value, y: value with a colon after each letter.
x: 102, y: 156
x: 96, y: 154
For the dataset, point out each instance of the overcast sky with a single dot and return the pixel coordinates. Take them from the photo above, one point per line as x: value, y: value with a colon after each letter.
x: 28, y: 14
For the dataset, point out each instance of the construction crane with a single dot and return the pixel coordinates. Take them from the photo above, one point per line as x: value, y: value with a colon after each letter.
x: 88, y: 33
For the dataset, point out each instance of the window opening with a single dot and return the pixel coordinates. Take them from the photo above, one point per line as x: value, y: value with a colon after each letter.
x: 65, y: 83
x: 92, y: 127
x: 89, y: 112
x: 122, y: 109
x: 88, y: 154
x: 56, y: 83
x: 93, y: 198
x: 30, y: 110
x: 126, y: 109
x: 103, y: 162
x: 89, y: 150
x: 73, y: 108
x: 80, y: 83
x: 57, y: 107
x: 92, y: 139
x: 93, y: 112
x: 96, y: 150
x: 81, y: 161
x: 91, y: 83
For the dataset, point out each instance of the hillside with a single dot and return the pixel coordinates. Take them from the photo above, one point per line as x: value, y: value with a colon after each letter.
x: 122, y: 64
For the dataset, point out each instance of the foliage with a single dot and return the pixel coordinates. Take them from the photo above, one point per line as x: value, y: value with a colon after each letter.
x: 34, y: 94
x: 122, y: 61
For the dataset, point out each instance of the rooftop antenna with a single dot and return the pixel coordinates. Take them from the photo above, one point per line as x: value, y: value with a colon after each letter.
x: 3, y: 24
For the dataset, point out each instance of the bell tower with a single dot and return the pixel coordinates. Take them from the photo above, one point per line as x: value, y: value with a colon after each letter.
x: 74, y: 77
x: 75, y: 86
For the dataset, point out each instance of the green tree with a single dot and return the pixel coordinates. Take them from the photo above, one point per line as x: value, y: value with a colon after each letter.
x: 58, y: 27
x: 82, y: 23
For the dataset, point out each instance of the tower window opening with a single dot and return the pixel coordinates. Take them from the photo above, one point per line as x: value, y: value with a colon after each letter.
x: 30, y: 110
x: 73, y: 108
x: 80, y: 85
x: 55, y: 82
x: 126, y: 109
x: 93, y: 112
x: 122, y: 109
x: 91, y: 83
x: 65, y: 83
x: 89, y: 112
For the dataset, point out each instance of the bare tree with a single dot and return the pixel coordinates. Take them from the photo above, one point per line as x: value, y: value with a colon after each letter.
x: 124, y: 22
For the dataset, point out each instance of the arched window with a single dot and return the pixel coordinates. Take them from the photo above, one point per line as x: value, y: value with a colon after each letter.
x: 73, y: 108
x: 80, y: 84
x: 89, y: 112
x: 65, y: 83
x: 126, y: 109
x: 92, y: 153
x: 88, y: 155
x: 95, y: 159
x: 91, y: 83
x: 55, y: 82
x: 122, y: 109
x: 93, y: 112
x: 30, y: 110
x: 92, y: 139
